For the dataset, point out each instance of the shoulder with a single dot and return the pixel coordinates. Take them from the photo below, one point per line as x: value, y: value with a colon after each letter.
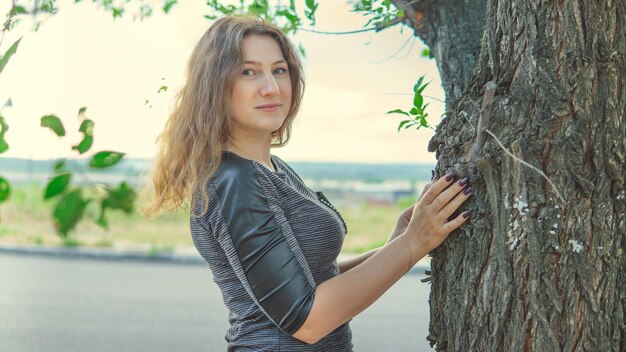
x: 237, y: 186
x: 234, y: 170
x: 280, y: 162
x: 291, y: 173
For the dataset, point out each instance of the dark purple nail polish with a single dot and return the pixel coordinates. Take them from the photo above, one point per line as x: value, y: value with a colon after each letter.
x: 463, y: 181
x: 466, y: 214
x: 450, y: 177
x: 467, y: 191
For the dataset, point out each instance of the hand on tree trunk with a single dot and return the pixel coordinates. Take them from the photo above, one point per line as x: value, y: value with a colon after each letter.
x: 430, y: 222
x: 405, y: 217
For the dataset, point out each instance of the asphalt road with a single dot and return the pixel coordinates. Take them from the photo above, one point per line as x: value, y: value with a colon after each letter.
x: 72, y: 304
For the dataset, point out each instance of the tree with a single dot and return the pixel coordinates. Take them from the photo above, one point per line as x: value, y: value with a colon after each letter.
x: 536, y: 106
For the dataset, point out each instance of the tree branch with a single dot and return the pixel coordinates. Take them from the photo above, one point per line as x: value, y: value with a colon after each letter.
x: 376, y: 29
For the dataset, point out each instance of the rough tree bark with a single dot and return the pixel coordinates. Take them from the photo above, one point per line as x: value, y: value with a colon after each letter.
x: 541, y: 264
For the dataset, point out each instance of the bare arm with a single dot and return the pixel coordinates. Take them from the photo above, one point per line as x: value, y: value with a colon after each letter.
x: 348, y: 264
x: 401, y: 225
x: 345, y: 296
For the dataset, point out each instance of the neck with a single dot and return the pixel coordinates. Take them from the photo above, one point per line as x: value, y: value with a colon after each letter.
x: 253, y: 147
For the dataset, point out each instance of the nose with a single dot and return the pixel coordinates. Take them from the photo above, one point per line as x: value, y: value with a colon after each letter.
x: 269, y: 88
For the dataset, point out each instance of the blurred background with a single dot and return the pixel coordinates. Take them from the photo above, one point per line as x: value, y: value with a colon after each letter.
x: 120, y: 73
x: 126, y: 72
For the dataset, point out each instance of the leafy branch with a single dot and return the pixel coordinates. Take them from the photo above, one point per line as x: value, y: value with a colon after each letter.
x: 417, y: 113
x: 5, y: 186
x: 71, y: 202
x: 381, y: 13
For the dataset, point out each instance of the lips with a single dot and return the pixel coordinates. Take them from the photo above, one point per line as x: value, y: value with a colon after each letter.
x: 269, y: 106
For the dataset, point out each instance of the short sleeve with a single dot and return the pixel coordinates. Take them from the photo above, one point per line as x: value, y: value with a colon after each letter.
x: 258, y: 250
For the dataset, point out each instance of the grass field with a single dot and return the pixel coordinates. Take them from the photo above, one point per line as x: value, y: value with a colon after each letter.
x: 26, y: 219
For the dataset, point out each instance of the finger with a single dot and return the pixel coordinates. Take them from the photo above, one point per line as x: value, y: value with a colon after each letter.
x: 458, y: 221
x: 446, y: 196
x: 456, y: 202
x: 426, y: 187
x: 407, y: 213
x: 436, y: 188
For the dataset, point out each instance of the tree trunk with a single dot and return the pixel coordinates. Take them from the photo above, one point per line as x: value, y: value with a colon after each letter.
x: 452, y: 30
x: 540, y: 266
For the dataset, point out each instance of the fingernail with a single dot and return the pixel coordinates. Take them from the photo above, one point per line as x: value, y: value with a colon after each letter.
x: 466, y: 214
x: 467, y: 191
x: 463, y: 181
x: 450, y: 177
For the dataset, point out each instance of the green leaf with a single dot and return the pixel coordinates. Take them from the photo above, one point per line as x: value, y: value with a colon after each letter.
x: 57, y: 185
x: 310, y: 12
x: 293, y: 19
x: 18, y: 10
x: 122, y: 198
x: 7, y: 56
x: 418, y: 100
x: 302, y: 50
x: 117, y: 12
x: 5, y: 189
x: 259, y: 8
x: 59, y: 165
x: 397, y: 111
x: 68, y: 211
x: 81, y: 112
x: 426, y: 52
x: 105, y: 159
x: 54, y: 123
x: 3, y: 129
x: 402, y: 124
x: 162, y: 89
x: 87, y: 129
x: 421, y: 89
x: 414, y: 111
x: 102, y: 220
x: 168, y: 5
x: 418, y: 84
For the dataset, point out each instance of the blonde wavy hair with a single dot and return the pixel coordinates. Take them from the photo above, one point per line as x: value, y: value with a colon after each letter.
x: 198, y: 128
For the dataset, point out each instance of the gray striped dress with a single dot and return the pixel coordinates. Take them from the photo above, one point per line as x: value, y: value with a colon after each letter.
x: 309, y: 228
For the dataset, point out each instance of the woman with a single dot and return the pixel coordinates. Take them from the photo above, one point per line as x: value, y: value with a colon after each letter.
x: 271, y: 242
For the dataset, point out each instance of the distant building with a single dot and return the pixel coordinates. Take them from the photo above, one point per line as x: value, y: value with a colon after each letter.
x: 388, y: 192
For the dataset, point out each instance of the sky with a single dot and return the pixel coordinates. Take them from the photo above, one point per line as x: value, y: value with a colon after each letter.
x: 83, y: 57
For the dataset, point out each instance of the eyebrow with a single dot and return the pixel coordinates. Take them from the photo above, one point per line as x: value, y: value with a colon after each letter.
x: 258, y: 63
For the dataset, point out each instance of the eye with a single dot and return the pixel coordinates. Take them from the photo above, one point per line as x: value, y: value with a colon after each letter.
x: 280, y: 71
x: 247, y: 72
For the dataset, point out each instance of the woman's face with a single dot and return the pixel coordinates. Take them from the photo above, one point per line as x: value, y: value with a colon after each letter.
x: 261, y: 94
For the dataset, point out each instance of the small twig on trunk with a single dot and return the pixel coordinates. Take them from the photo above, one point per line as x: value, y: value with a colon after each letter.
x: 527, y: 164
x: 483, y: 120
